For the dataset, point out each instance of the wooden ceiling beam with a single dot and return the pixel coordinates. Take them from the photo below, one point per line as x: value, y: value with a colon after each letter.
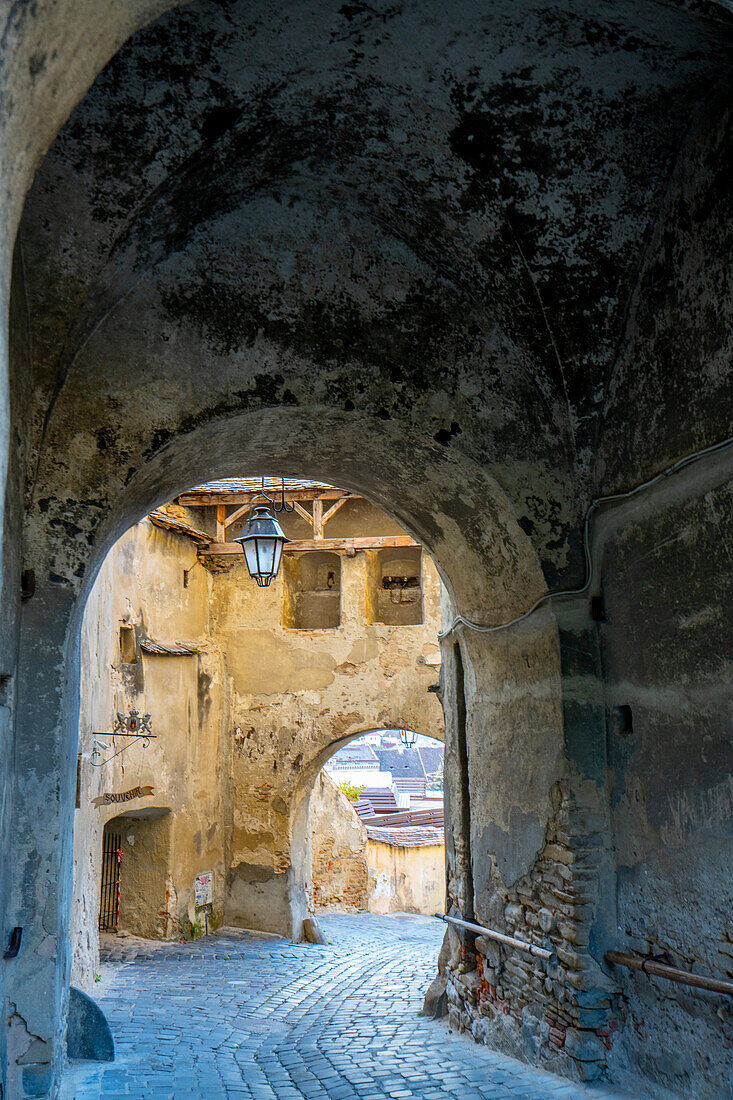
x: 194, y: 499
x: 318, y: 520
x: 237, y: 514
x: 221, y: 523
x: 377, y: 542
x: 333, y: 510
x: 380, y: 542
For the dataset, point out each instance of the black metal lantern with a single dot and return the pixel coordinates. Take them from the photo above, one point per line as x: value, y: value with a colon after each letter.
x: 408, y: 738
x: 262, y: 538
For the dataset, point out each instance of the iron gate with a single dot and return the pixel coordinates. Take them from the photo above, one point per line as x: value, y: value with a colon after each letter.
x: 109, y: 901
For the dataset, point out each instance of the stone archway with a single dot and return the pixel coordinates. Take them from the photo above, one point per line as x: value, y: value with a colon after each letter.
x: 438, y: 288
x: 340, y: 846
x: 52, y: 621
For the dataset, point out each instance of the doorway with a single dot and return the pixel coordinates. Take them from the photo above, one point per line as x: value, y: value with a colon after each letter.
x: 109, y: 894
x: 134, y: 875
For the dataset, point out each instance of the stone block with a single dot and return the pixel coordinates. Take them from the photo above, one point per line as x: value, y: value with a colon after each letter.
x: 576, y: 978
x: 584, y: 1046
x: 87, y: 1032
x: 312, y: 931
x: 546, y: 920
x: 558, y: 854
x: 37, y: 1080
x: 591, y: 1017
x: 435, y: 1004
x: 590, y: 1071
x: 467, y: 986
x: 489, y: 949
x: 513, y: 913
x: 571, y: 959
x: 573, y: 933
x: 592, y: 998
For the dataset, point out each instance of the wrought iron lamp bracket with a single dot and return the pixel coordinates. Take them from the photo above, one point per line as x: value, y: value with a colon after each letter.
x: 283, y: 506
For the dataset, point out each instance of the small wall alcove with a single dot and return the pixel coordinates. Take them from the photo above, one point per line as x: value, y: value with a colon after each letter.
x: 312, y: 590
x: 394, y: 587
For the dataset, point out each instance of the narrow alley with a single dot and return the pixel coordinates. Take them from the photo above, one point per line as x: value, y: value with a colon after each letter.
x: 248, y: 1014
x: 366, y: 513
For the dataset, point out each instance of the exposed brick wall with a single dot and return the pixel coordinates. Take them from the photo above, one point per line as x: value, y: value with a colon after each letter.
x: 562, y: 1014
x: 339, y: 878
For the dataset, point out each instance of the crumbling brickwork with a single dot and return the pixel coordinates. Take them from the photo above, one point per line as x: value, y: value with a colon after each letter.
x: 562, y: 1013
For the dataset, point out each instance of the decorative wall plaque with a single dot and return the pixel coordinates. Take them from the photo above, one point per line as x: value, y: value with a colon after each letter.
x: 133, y: 725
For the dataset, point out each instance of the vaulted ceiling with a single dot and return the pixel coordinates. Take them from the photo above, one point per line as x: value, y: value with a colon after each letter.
x: 443, y: 221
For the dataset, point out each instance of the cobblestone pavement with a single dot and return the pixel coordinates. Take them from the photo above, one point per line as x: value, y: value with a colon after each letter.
x: 244, y: 1014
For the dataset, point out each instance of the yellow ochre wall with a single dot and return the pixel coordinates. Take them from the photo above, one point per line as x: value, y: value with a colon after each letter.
x: 242, y: 725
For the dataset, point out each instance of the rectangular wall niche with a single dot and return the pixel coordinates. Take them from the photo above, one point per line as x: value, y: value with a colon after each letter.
x: 394, y: 587
x: 312, y: 590
x: 128, y: 644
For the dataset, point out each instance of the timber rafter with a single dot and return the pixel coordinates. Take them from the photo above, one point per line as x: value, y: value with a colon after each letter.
x: 348, y: 546
x: 317, y: 516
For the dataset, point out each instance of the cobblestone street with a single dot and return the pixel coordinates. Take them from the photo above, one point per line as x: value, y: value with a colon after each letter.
x: 250, y: 1015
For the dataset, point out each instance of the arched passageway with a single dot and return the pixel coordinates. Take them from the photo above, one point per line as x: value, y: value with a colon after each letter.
x: 473, y: 266
x: 245, y: 690
x: 377, y: 826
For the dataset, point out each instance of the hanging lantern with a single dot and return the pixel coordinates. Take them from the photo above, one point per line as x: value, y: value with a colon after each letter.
x: 262, y: 539
x: 408, y: 738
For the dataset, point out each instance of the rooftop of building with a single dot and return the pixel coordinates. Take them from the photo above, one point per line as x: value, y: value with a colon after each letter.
x: 411, y: 836
x: 353, y: 755
x: 253, y: 484
x: 432, y: 758
x: 401, y: 764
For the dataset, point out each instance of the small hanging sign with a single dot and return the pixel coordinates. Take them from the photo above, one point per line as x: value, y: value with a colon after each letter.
x: 124, y: 796
x: 134, y: 722
x: 203, y: 889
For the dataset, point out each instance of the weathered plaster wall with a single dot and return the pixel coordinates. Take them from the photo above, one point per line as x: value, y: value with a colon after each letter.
x: 295, y: 694
x: 526, y: 853
x: 141, y: 583
x: 406, y: 878
x: 356, y: 873
x: 668, y: 657
x: 665, y: 574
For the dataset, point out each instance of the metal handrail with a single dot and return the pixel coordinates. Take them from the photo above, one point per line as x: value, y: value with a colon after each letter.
x: 508, y: 941
x: 671, y: 973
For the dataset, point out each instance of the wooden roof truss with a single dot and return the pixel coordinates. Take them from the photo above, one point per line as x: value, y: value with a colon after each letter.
x: 316, y: 517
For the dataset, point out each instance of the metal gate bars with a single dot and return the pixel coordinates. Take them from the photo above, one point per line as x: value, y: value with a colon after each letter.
x: 109, y: 899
